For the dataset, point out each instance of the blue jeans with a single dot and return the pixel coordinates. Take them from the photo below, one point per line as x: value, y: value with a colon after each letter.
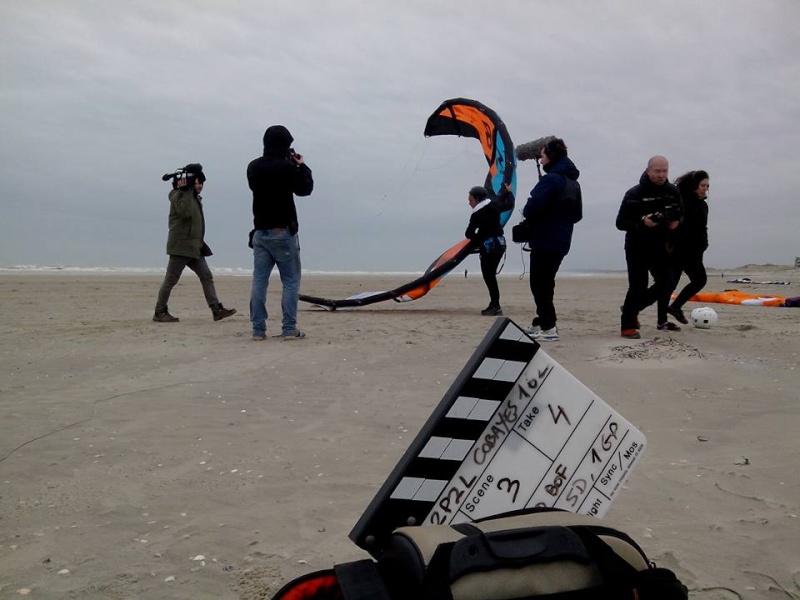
x: 270, y: 248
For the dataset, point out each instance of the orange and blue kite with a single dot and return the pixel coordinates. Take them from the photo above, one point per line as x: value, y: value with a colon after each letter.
x: 465, y: 118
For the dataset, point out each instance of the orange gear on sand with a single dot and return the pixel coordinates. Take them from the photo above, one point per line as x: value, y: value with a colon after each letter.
x: 737, y: 297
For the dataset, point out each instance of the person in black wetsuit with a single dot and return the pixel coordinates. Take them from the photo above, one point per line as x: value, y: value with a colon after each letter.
x: 484, y: 229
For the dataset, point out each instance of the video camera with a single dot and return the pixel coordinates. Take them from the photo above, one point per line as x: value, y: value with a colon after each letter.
x: 671, y: 212
x: 191, y: 173
x: 293, y: 156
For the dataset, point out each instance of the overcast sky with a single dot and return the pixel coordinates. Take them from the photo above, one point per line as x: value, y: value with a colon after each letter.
x: 98, y: 99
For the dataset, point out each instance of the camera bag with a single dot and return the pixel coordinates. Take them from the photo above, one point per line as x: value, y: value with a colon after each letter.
x: 522, y: 232
x: 530, y: 554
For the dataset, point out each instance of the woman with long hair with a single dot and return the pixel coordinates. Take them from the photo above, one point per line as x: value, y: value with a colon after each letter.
x: 692, y: 241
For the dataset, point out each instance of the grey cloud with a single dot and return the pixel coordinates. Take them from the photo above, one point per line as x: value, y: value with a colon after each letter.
x: 98, y: 101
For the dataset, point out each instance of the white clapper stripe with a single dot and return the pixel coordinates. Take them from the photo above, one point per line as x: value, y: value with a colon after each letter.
x: 499, y: 369
x: 419, y: 489
x: 473, y: 409
x: 446, y: 448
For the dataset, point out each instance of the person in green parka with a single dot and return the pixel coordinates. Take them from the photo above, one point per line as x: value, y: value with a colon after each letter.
x: 185, y: 244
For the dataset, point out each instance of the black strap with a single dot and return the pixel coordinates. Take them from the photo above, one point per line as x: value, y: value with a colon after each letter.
x: 515, y: 548
x: 436, y: 584
x: 360, y: 580
x: 466, y: 529
x: 660, y: 584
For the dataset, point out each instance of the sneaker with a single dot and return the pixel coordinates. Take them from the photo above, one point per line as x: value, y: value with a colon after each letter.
x: 547, y: 335
x: 534, y: 331
x: 259, y: 337
x: 492, y: 311
x: 677, y: 313
x: 667, y: 327
x: 294, y: 335
x: 631, y: 334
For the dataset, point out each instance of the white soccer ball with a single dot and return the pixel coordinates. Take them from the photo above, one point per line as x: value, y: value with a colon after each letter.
x: 704, y: 317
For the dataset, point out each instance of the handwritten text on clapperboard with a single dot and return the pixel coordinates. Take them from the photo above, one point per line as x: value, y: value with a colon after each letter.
x: 551, y: 443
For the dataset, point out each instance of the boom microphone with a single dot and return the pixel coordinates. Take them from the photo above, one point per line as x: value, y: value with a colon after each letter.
x: 533, y: 149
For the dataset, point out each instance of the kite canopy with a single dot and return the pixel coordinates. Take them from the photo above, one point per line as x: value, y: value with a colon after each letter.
x: 470, y: 118
x: 466, y: 118
x: 737, y: 297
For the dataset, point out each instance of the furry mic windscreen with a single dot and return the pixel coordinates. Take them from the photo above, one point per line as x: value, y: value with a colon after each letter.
x: 533, y: 149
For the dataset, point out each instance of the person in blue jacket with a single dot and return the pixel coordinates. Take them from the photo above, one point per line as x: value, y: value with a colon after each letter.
x: 554, y: 206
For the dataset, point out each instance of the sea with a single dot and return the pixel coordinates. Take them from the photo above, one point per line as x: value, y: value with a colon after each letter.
x: 33, y: 269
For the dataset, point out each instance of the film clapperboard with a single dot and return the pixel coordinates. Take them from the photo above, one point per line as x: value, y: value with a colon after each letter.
x: 515, y: 430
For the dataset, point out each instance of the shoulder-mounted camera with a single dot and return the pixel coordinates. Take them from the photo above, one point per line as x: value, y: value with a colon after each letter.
x: 191, y: 173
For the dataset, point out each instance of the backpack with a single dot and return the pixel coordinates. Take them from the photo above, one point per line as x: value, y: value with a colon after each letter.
x: 539, y: 553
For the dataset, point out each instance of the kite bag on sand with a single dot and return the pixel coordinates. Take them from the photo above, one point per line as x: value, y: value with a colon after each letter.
x: 548, y: 554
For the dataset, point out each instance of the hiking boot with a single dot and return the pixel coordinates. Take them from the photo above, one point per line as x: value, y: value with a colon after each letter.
x: 677, y: 313
x: 294, y: 335
x: 631, y: 334
x: 162, y: 316
x: 492, y: 311
x: 220, y: 312
x: 547, y: 335
x: 667, y: 327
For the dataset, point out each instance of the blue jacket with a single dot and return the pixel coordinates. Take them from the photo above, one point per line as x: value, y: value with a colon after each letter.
x: 553, y: 207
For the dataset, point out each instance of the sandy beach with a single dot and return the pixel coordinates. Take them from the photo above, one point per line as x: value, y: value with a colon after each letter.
x: 185, y: 461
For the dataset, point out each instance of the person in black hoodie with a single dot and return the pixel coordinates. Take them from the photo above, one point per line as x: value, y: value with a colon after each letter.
x: 692, y: 240
x: 554, y: 206
x: 274, y: 179
x: 484, y: 229
x: 649, y: 215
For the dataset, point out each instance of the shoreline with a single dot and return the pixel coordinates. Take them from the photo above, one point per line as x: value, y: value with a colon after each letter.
x: 759, y: 270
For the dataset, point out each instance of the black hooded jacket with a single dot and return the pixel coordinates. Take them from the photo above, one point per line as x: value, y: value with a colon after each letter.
x: 693, y: 237
x: 274, y: 179
x: 645, y: 199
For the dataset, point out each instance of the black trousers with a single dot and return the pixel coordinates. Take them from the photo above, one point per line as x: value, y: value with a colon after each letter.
x: 544, y: 267
x: 489, y: 264
x: 692, y: 265
x: 643, y: 262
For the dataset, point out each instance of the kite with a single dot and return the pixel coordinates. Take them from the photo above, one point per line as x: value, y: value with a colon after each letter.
x: 465, y: 118
x: 737, y: 297
x: 748, y: 281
